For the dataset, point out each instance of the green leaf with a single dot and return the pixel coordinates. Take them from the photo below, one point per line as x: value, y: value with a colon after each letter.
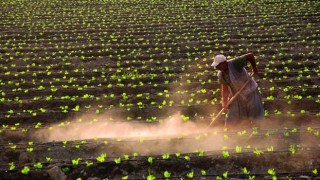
x: 151, y: 177
x: 166, y: 156
x: 187, y: 158
x: 102, y: 157
x: 190, y: 174
x: 225, y: 154
x: 126, y: 156
x: 315, y: 171
x: 75, y: 162
x: 225, y: 175
x: 203, y: 172
x: 25, y: 170
x: 245, y: 171
x: 167, y: 174
x: 271, y: 172
x: 38, y: 165
x: 48, y: 159
x: 292, y: 149
x: 65, y: 170
x: 238, y: 149
x: 12, y: 166
x: 88, y: 163
x: 117, y: 160
x: 150, y: 160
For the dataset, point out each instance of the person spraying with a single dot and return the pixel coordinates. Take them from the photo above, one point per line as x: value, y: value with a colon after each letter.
x: 235, y: 80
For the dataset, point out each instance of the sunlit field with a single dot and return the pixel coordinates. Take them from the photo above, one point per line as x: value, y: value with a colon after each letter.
x: 123, y: 89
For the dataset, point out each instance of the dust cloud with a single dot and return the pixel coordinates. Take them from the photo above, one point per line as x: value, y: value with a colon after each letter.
x: 170, y: 135
x: 77, y: 130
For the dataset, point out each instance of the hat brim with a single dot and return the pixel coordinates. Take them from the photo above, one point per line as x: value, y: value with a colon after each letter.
x: 215, y: 64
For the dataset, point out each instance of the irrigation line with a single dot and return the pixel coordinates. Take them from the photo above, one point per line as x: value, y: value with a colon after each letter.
x: 210, y: 154
x: 311, y: 113
x: 277, y: 134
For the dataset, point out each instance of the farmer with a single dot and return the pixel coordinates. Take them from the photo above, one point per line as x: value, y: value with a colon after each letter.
x: 232, y: 76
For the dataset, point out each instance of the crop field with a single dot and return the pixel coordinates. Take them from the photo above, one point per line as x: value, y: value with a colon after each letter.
x: 123, y: 89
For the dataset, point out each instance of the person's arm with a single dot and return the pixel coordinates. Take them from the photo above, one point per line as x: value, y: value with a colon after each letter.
x: 252, y: 60
x: 225, y: 95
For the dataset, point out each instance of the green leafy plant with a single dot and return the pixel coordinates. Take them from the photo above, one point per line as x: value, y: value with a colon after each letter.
x: 75, y: 162
x: 292, y: 149
x: 257, y: 152
x: 150, y: 160
x: 38, y: 165
x: 238, y: 149
x: 203, y: 172
x: 272, y: 172
x: 88, y: 163
x: 225, y: 175
x: 12, y: 166
x: 165, y: 156
x: 315, y: 171
x: 65, y: 170
x: 101, y: 157
x: 167, y: 174
x: 225, y: 154
x: 150, y: 176
x: 187, y: 158
x: 25, y: 170
x: 190, y: 174
x: 48, y: 159
x: 117, y: 160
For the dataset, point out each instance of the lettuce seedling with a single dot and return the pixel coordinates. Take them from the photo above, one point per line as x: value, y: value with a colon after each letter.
x: 245, y: 171
x: 65, y: 170
x: 270, y: 149
x: 272, y: 172
x: 150, y: 176
x: 225, y: 154
x: 257, y: 151
x: 48, y: 159
x: 166, y: 156
x: 102, y: 157
x: 29, y: 149
x: 225, y: 174
x: 38, y: 125
x: 126, y: 157
x: 167, y: 174
x: 25, y: 170
x: 187, y: 158
x: 117, y: 160
x: 75, y: 162
x: 88, y: 163
x: 12, y: 166
x: 315, y: 171
x: 203, y: 172
x: 150, y: 160
x: 238, y: 149
x: 190, y: 174
x: 292, y: 149
x: 38, y: 165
